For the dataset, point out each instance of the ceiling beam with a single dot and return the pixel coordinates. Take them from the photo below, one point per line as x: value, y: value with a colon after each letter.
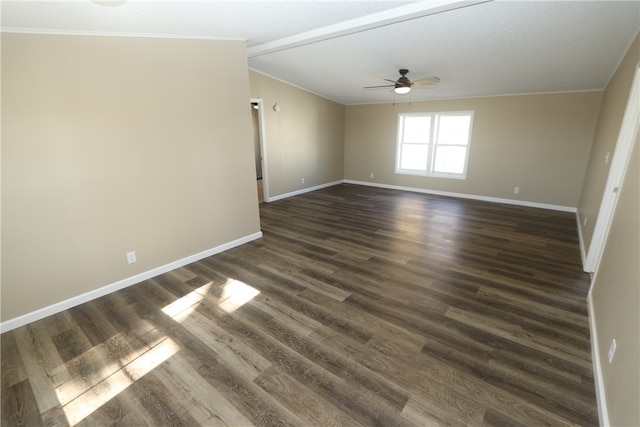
x: 363, y: 23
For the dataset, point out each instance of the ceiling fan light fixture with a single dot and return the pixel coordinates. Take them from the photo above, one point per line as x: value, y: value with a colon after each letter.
x: 403, y: 85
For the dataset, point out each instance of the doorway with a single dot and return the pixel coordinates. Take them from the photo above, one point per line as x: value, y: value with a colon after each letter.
x: 259, y: 149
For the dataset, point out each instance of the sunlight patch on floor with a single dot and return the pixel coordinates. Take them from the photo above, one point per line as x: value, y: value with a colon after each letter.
x: 97, y: 395
x: 235, y: 294
x: 81, y: 398
x: 181, y: 308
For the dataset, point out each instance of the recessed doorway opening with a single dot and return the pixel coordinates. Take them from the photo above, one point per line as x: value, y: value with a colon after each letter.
x: 259, y: 149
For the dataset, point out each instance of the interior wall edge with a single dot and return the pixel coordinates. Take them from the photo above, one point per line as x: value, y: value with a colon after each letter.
x: 583, y: 248
x: 302, y: 191
x: 525, y: 203
x: 601, y: 399
x: 52, y: 309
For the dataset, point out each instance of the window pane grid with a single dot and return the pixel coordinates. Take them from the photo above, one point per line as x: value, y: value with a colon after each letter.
x: 449, y: 159
x: 413, y: 157
x: 446, y: 155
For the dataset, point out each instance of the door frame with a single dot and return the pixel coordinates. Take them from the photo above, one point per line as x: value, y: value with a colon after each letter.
x: 263, y: 149
x: 621, y: 155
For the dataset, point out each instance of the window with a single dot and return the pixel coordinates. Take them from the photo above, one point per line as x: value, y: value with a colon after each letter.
x: 434, y: 144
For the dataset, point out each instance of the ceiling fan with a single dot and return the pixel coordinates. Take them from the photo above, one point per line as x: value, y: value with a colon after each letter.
x: 403, y: 84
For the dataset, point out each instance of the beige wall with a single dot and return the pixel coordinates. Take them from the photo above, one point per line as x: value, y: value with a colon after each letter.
x: 114, y: 144
x: 539, y: 143
x: 304, y: 139
x: 615, y: 293
x: 614, y: 103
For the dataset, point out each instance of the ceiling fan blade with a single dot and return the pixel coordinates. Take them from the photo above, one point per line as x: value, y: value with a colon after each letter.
x: 429, y: 81
x: 378, y: 87
x: 426, y: 83
x: 420, y: 87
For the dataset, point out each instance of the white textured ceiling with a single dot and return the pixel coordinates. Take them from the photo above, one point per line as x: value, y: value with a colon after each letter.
x: 335, y: 48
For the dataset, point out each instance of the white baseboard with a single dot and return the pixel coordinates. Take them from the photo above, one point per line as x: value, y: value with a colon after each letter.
x: 601, y: 399
x: 427, y: 191
x: 304, y: 190
x: 96, y: 293
x: 466, y: 196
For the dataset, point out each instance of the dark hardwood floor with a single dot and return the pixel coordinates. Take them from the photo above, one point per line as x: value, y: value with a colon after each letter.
x: 359, y: 306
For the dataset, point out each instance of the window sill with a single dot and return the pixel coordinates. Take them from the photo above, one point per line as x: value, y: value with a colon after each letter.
x: 433, y: 175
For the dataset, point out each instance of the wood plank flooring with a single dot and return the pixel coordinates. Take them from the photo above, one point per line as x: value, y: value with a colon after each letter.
x: 359, y: 306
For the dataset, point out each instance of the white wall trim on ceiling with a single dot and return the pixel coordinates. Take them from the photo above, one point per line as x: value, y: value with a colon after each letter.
x: 364, y: 23
x: 409, y: 101
x: 622, y: 56
x: 56, y: 32
x: 294, y: 85
x: 405, y: 100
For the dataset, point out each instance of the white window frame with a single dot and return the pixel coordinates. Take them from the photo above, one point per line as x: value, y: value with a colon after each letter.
x: 432, y: 144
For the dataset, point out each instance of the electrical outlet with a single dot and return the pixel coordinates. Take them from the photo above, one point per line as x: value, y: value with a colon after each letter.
x: 606, y: 158
x: 302, y: 181
x: 131, y: 257
x: 584, y: 221
x: 371, y: 175
x: 516, y: 190
x: 612, y: 350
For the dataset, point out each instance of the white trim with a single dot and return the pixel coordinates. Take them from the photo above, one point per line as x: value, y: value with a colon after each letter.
x: 434, y: 192
x: 293, y: 85
x: 57, y: 32
x: 467, y: 196
x: 623, y: 54
x: 362, y: 23
x: 454, y: 98
x: 121, y: 284
x: 263, y: 149
x: 615, y: 179
x: 601, y: 398
x: 583, y: 249
x: 432, y: 144
x: 305, y: 190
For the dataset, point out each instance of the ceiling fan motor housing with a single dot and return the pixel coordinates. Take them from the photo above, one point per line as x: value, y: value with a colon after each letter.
x: 403, y: 84
x: 403, y: 80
